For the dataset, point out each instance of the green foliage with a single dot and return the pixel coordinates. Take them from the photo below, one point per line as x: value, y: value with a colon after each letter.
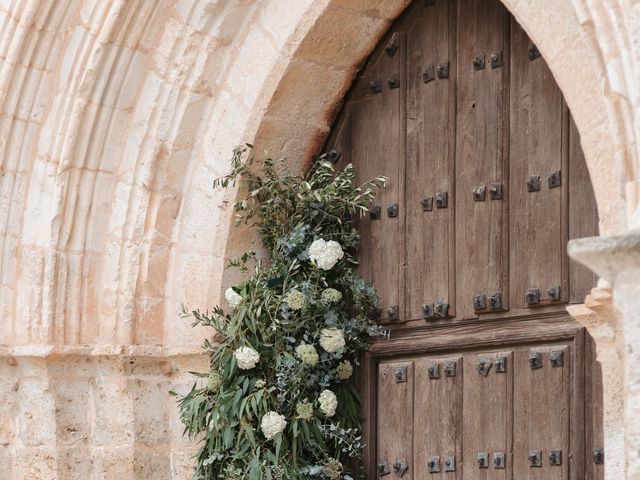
x: 279, y: 308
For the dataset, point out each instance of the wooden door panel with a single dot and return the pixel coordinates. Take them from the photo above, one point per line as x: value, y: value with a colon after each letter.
x: 583, y: 215
x: 430, y: 158
x: 378, y: 128
x: 438, y: 418
x: 594, y: 427
x: 487, y: 403
x: 481, y: 261
x: 395, y: 415
x: 538, y: 136
x: 541, y: 415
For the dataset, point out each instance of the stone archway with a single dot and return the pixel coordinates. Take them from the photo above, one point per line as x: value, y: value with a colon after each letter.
x: 565, y: 34
x: 117, y: 115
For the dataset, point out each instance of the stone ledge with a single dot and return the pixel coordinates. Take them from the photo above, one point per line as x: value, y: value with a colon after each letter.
x: 150, y: 351
x: 607, y: 256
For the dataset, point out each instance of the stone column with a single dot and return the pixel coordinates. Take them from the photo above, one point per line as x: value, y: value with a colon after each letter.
x: 616, y: 259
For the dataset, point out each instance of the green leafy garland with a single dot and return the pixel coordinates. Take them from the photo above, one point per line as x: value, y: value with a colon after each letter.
x: 278, y: 403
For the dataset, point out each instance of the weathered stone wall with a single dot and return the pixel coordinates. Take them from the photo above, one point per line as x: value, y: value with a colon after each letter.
x: 116, y: 115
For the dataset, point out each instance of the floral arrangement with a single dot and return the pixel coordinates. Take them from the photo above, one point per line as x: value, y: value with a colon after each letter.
x: 277, y: 403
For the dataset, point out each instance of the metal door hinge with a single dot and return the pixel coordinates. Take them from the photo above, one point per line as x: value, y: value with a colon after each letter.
x: 334, y: 155
x: 535, y: 360
x: 498, y: 460
x: 483, y: 460
x: 533, y: 296
x: 554, y: 293
x: 484, y: 365
x: 497, y: 60
x: 374, y: 213
x: 494, y: 301
x: 392, y: 210
x: 479, y: 193
x: 383, y: 468
x: 441, y: 308
x: 450, y: 368
x: 401, y: 374
x: 433, y: 464
x: 442, y: 70
x: 376, y: 85
x: 433, y: 371
x: 535, y: 458
x: 479, y: 301
x: 400, y: 467
x: 442, y: 199
x: 555, y: 457
x: 427, y: 311
x: 429, y: 73
x: 394, y: 81
x: 450, y: 463
x: 557, y: 358
x: 555, y: 179
x: 392, y: 312
x: 501, y: 364
x: 392, y: 45
x: 495, y: 191
x: 533, y: 52
x: 533, y: 183
x: 427, y: 204
x: 598, y: 456
x: 479, y: 62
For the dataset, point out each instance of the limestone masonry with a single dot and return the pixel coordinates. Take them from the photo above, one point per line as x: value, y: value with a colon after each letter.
x: 115, y: 117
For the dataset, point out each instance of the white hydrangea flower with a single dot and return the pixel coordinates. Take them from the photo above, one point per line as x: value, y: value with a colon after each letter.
x: 304, y: 410
x: 325, y: 254
x: 332, y: 339
x: 247, y: 357
x: 328, y: 402
x: 295, y: 299
x: 272, y: 424
x: 233, y: 297
x: 331, y: 295
x: 344, y: 370
x: 260, y: 383
x: 308, y: 354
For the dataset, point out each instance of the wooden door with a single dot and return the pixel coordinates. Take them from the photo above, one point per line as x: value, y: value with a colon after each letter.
x: 485, y: 375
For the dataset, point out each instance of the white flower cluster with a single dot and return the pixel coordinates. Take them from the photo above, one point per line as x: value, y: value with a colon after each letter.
x: 328, y: 402
x: 332, y: 339
x: 304, y: 410
x: 233, y: 297
x: 344, y: 370
x: 331, y: 295
x: 325, y: 254
x: 260, y: 383
x: 247, y: 357
x: 272, y: 424
x: 295, y: 299
x: 308, y: 354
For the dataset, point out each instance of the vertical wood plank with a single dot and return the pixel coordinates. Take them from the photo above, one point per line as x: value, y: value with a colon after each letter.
x: 378, y: 129
x: 541, y: 413
x: 487, y: 422
x: 594, y: 427
x: 480, y: 153
x: 395, y: 416
x: 536, y: 149
x: 438, y: 418
x: 430, y: 157
x: 583, y: 215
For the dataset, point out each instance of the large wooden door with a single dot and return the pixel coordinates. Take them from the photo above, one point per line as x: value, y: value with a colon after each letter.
x: 484, y: 376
